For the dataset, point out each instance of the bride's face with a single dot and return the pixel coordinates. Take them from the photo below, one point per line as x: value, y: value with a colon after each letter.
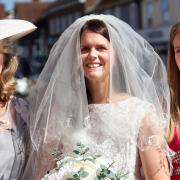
x: 95, y: 55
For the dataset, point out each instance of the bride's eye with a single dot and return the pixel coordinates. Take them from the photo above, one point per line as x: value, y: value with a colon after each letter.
x: 101, y: 48
x: 84, y: 49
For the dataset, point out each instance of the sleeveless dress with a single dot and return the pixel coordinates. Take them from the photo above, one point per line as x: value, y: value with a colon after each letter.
x: 175, y: 146
x: 14, y: 140
x: 112, y: 131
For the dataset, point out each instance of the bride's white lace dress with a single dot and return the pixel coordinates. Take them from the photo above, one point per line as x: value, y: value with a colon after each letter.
x: 113, y: 131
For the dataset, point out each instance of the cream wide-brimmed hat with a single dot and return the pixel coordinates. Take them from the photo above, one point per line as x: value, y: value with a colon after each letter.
x: 13, y: 29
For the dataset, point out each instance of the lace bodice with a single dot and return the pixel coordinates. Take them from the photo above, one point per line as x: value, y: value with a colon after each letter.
x: 112, y: 131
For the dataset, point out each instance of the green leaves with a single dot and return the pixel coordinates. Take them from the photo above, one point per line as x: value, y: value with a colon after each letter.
x: 83, y: 165
x: 79, y: 175
x: 81, y: 149
x: 105, y: 172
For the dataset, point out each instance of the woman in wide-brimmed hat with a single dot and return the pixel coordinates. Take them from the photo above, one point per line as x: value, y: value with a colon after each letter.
x: 13, y: 111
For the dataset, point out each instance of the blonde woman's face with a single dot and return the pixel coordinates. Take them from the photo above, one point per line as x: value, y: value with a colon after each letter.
x: 1, y: 62
x: 176, y: 44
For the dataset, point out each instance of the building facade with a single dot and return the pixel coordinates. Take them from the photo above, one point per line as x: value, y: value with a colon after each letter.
x: 127, y: 10
x: 157, y: 19
x: 31, y: 47
x: 3, y: 13
x: 60, y: 15
x: 151, y: 18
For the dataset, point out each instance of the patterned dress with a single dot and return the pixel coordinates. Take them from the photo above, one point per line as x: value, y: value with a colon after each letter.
x: 175, y: 146
x: 13, y: 140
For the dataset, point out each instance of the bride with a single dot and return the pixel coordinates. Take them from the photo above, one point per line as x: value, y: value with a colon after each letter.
x: 103, y: 85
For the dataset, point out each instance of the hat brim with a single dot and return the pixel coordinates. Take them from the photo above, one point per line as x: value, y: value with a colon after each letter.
x: 13, y: 29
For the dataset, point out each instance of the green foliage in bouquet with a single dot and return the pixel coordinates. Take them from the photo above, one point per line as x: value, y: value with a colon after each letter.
x: 104, y: 172
x: 85, y: 166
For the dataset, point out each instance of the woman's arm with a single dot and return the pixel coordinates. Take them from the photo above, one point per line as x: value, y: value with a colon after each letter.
x: 154, y: 163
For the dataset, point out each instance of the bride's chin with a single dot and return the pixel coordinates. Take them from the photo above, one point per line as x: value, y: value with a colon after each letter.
x: 94, y: 76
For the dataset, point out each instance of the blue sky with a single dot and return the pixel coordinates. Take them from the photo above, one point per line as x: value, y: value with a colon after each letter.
x: 10, y: 3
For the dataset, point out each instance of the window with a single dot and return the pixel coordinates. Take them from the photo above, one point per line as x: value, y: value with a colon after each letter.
x: 77, y: 15
x: 63, y: 22
x: 57, y: 25
x: 107, y: 11
x: 125, y: 13
x: 70, y: 19
x: 134, y: 16
x: 51, y: 26
x: 149, y: 8
x: 164, y: 5
x: 117, y: 12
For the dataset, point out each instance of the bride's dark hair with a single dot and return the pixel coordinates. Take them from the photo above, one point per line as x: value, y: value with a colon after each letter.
x: 96, y: 26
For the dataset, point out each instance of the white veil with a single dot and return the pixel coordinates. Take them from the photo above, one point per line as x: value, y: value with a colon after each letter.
x: 59, y: 103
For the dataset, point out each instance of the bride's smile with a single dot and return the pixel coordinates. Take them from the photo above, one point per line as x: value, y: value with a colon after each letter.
x: 94, y: 66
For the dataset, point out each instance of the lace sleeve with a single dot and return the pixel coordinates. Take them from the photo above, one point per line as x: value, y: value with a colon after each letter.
x: 150, y: 132
x: 152, y: 136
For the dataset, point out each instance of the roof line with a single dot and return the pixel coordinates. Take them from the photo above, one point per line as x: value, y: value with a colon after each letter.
x: 52, y: 10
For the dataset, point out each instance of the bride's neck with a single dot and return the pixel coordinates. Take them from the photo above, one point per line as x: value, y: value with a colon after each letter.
x: 99, y: 92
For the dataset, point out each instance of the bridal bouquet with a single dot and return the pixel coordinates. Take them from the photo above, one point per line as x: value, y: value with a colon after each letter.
x: 81, y: 166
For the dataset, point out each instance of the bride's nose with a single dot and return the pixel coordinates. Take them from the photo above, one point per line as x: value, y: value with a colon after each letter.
x: 93, y: 54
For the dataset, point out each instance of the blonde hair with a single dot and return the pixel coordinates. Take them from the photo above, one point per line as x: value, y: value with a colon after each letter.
x: 7, y: 81
x: 173, y: 78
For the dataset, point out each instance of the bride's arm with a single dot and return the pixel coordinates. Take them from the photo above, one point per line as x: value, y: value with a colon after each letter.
x: 153, y: 147
x: 154, y: 163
